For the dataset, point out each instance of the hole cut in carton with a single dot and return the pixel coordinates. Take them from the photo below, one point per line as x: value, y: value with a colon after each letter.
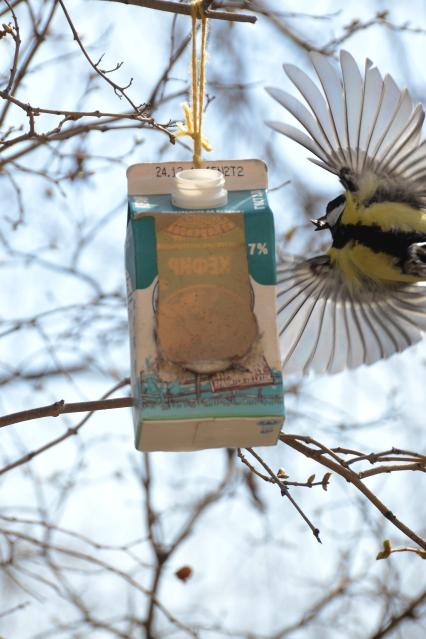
x: 205, y: 320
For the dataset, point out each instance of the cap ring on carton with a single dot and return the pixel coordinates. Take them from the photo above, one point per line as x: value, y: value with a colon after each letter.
x: 199, y: 189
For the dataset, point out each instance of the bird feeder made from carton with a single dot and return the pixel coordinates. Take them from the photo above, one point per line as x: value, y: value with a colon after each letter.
x: 200, y: 263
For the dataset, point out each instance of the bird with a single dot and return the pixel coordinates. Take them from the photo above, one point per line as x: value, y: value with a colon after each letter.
x: 364, y: 299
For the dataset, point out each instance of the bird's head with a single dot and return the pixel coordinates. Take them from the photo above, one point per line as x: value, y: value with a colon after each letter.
x: 332, y: 216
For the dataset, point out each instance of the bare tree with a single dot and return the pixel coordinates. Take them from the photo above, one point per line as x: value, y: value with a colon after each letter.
x: 97, y: 539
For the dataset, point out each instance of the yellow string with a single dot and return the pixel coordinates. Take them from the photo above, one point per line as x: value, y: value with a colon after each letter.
x: 193, y: 126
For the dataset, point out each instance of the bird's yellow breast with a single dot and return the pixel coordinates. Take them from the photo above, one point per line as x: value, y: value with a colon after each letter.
x: 357, y: 261
x: 386, y: 215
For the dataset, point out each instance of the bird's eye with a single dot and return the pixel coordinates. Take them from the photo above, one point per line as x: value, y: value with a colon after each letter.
x: 333, y: 215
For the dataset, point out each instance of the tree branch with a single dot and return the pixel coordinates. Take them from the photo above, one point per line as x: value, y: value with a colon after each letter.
x: 285, y: 493
x: 70, y: 432
x: 185, y: 9
x: 60, y: 408
x: 7, y: 29
x: 305, y: 445
x: 408, y: 613
x: 120, y: 91
x: 340, y: 467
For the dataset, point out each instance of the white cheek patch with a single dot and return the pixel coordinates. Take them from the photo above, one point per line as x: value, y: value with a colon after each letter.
x: 333, y: 216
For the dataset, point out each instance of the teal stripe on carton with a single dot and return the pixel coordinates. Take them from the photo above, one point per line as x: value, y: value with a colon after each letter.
x: 173, y: 400
x: 260, y: 238
x: 259, y: 233
x: 145, y: 251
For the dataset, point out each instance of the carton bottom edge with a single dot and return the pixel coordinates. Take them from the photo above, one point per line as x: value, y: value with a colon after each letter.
x: 200, y: 434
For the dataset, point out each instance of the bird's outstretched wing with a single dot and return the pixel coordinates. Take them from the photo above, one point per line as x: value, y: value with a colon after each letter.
x: 326, y: 327
x: 358, y: 126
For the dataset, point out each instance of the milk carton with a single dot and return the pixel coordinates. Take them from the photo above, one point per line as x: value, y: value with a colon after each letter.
x: 205, y: 368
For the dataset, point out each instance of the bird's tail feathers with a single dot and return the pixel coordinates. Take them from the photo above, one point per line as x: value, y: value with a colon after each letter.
x: 326, y: 326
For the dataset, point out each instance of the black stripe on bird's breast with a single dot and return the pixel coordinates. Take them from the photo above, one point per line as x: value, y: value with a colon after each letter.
x: 340, y: 199
x: 395, y: 242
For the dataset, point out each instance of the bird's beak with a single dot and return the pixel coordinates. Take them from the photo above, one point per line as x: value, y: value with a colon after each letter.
x: 320, y: 224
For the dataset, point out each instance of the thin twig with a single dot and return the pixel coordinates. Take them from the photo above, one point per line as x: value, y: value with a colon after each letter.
x: 285, y: 492
x: 17, y: 40
x: 120, y: 91
x: 96, y: 561
x: 270, y: 480
x: 10, y: 611
x: 391, y: 468
x: 40, y: 34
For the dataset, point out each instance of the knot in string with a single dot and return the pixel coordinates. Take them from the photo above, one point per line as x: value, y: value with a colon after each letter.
x: 194, y: 114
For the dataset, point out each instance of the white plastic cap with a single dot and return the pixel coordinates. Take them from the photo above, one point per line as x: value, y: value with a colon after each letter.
x: 199, y: 189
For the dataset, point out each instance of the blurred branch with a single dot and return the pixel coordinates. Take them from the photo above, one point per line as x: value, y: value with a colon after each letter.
x: 10, y: 6
x: 278, y: 19
x: 14, y: 33
x: 19, y: 72
x: 409, y: 613
x: 68, y: 551
x: 380, y: 19
x: 161, y: 551
x: 330, y: 597
x: 174, y: 57
x: 21, y: 606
